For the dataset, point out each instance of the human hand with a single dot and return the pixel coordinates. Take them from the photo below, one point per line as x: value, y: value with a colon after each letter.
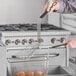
x: 71, y: 43
x: 48, y: 6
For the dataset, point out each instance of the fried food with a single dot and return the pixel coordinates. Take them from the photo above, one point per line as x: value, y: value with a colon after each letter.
x: 38, y: 73
x: 20, y: 74
x: 29, y: 73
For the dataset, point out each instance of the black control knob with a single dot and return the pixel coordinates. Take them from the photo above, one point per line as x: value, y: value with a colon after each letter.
x: 53, y: 40
x: 40, y: 40
x: 17, y: 41
x: 31, y: 41
x: 24, y: 41
x: 7, y: 42
x: 62, y: 40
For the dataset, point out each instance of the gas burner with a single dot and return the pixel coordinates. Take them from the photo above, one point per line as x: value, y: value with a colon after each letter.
x: 8, y: 28
x: 28, y: 27
x: 50, y: 27
x: 33, y: 27
x: 2, y: 28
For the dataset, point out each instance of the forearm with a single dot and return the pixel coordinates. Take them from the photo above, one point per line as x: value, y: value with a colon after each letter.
x: 67, y: 6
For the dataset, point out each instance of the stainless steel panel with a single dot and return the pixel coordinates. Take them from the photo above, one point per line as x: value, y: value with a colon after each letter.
x: 3, y: 62
x: 61, y: 59
x: 57, y: 71
x: 58, y: 56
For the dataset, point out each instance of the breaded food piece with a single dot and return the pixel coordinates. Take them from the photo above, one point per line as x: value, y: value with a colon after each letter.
x: 38, y: 73
x: 20, y: 74
x: 29, y: 73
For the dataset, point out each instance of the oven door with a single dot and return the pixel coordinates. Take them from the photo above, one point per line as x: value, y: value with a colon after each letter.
x: 57, y: 56
x: 18, y: 62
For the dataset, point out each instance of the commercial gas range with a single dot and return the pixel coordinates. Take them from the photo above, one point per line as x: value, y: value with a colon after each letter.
x: 25, y: 40
x: 24, y: 35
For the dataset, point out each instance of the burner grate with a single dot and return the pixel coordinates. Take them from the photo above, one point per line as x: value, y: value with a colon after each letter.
x: 28, y: 27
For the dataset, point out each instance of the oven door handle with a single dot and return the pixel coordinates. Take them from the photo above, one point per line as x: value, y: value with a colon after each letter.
x: 35, y: 56
x: 48, y: 54
x: 25, y: 58
x: 53, y: 54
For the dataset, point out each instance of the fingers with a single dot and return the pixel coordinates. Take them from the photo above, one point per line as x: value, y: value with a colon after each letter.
x: 71, y: 43
x: 48, y: 6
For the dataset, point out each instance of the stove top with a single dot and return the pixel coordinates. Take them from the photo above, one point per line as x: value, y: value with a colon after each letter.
x: 28, y: 27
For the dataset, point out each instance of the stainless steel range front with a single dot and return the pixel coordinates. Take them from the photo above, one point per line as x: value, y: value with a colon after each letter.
x: 22, y: 42
x: 24, y: 35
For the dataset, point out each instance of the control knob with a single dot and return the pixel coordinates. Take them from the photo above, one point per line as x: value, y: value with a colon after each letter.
x: 31, y: 41
x: 53, y: 40
x: 17, y: 41
x: 24, y: 41
x: 62, y: 40
x: 7, y: 42
x: 40, y: 40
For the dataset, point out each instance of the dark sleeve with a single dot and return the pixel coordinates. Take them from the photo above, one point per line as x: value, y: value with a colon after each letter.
x: 67, y: 6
